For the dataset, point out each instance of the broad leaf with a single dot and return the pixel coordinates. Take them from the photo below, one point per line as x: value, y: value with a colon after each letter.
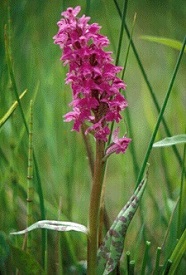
x: 25, y: 262
x: 110, y: 251
x: 169, y: 141
x: 172, y: 43
x: 54, y: 225
x: 4, y: 248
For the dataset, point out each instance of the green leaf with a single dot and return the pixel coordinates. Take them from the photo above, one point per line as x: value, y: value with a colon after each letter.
x: 169, y: 141
x: 11, y: 110
x: 178, y: 253
x: 110, y: 251
x: 54, y: 225
x: 25, y: 262
x: 4, y: 248
x: 175, y: 44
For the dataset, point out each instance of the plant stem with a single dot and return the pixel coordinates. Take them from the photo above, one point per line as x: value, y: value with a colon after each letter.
x: 161, y: 113
x: 145, y: 258
x: 30, y: 187
x: 88, y: 149
x: 157, y: 263
x: 37, y: 172
x: 149, y: 86
x: 95, y: 208
x: 181, y: 197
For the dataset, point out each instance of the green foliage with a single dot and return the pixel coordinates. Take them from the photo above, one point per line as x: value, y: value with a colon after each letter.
x: 178, y: 253
x: 4, y: 248
x: 62, y: 181
x: 175, y: 44
x: 54, y: 225
x: 11, y: 110
x: 169, y: 141
x: 25, y: 262
x: 110, y: 250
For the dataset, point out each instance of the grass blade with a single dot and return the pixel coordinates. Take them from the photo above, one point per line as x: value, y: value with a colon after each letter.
x: 11, y: 110
x: 172, y: 43
x: 178, y: 253
x: 118, y: 52
x: 121, y: 30
x: 181, y: 203
x: 14, y: 85
x: 12, y: 77
x: 160, y: 117
x: 149, y: 85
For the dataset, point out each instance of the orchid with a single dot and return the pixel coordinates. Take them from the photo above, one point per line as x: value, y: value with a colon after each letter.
x: 69, y: 187
x: 96, y: 98
x: 96, y: 104
x: 119, y: 145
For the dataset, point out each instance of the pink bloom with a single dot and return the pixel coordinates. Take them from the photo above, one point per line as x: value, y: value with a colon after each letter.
x: 119, y: 145
x: 99, y: 130
x: 96, y: 97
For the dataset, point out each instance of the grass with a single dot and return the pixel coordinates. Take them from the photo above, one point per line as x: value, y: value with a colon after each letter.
x: 61, y: 175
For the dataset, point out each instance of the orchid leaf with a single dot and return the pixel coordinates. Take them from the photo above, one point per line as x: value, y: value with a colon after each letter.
x: 25, y: 262
x: 110, y: 251
x: 54, y: 225
x: 4, y: 248
x: 172, y: 43
x: 169, y: 141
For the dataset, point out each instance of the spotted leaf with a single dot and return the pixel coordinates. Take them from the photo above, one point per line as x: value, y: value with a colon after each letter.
x: 110, y: 251
x: 54, y: 225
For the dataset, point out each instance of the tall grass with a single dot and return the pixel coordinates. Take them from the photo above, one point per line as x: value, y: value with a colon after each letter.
x: 62, y: 179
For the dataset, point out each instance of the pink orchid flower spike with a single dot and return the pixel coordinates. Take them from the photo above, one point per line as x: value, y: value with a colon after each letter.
x: 96, y: 97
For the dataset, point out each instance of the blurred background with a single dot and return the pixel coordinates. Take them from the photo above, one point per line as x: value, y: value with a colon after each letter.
x: 60, y: 153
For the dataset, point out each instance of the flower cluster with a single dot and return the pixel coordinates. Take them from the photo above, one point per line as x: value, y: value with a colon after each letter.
x: 97, y: 100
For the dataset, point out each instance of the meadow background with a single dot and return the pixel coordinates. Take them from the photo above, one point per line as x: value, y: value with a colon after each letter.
x: 65, y: 178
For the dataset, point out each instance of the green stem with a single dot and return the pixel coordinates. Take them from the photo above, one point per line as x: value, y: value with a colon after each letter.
x: 160, y: 117
x: 181, y: 198
x: 149, y: 86
x: 157, y: 263
x: 145, y: 258
x: 94, y: 210
x: 88, y: 149
x: 131, y: 267
x: 30, y: 188
x: 168, y: 266
x: 36, y: 168
x: 128, y: 262
x: 121, y: 30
